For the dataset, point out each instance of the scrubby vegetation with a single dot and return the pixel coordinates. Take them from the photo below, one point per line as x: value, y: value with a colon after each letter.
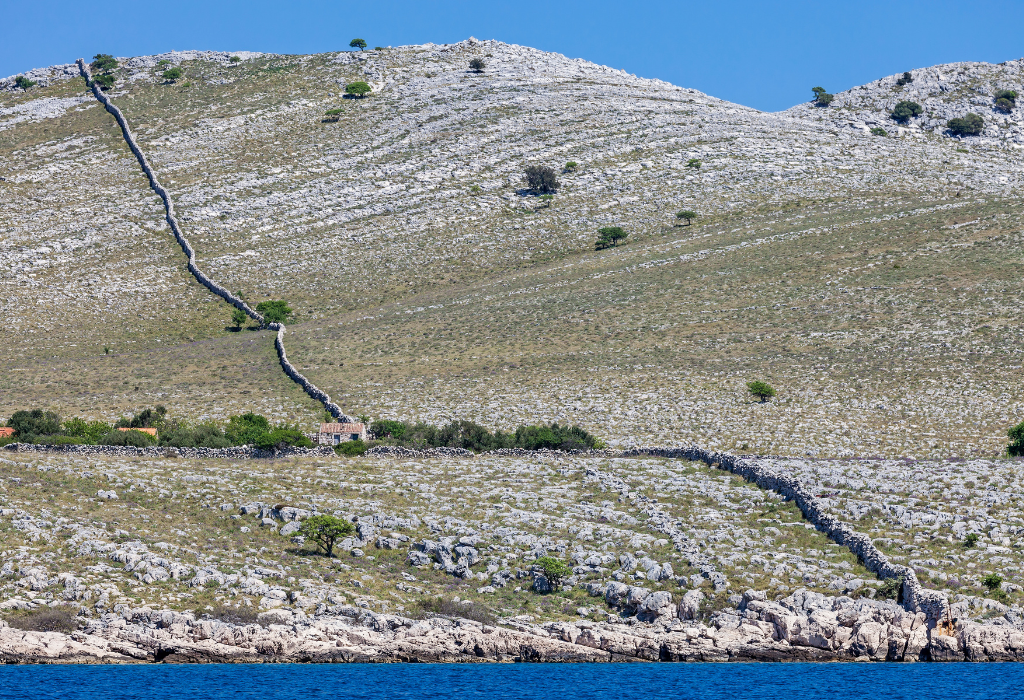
x: 541, y: 179
x: 450, y: 608
x: 478, y: 65
x: 172, y: 74
x: 555, y: 570
x: 905, y: 79
x: 1005, y: 100
x: 359, y: 88
x: 821, y: 97
x: 905, y: 110
x: 970, y: 125
x: 879, y: 131
x: 104, y: 80
x: 44, y: 620
x: 1016, y: 435
x: 468, y: 435
x: 103, y: 62
x: 686, y: 215
x: 274, y: 311
x: 609, y: 236
x: 24, y: 83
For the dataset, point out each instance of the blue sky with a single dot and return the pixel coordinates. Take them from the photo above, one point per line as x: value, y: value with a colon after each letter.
x: 763, y: 54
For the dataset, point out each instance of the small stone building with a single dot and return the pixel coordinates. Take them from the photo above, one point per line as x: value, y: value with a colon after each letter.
x: 337, y: 433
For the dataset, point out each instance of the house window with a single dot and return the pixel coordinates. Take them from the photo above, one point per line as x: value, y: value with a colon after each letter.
x: 337, y: 439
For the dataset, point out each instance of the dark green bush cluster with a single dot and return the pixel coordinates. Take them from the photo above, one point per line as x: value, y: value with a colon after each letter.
x: 970, y: 125
x: 468, y: 435
x: 609, y: 236
x: 24, y: 83
x: 879, y: 131
x: 905, y: 110
x: 172, y: 74
x: 541, y: 179
x: 1016, y: 435
x: 103, y: 64
x: 905, y: 79
x: 45, y: 428
x: 1006, y: 100
x: 890, y: 589
x: 274, y: 311
x: 822, y: 98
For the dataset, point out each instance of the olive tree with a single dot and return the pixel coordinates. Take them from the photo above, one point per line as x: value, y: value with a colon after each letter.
x: 686, y: 215
x: 541, y: 179
x: 324, y: 531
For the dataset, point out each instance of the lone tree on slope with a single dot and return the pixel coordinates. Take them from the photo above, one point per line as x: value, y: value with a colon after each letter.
x: 274, y: 311
x: 24, y: 83
x: 905, y: 110
x: 609, y: 237
x: 760, y: 390
x: 687, y: 216
x: 325, y: 530
x: 970, y: 125
x: 238, y: 318
x: 478, y: 65
x: 358, y: 88
x: 357, y: 44
x: 822, y: 98
x: 172, y: 74
x: 541, y: 179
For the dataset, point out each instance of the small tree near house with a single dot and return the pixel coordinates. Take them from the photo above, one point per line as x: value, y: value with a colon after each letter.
x: 761, y: 391
x: 324, y: 531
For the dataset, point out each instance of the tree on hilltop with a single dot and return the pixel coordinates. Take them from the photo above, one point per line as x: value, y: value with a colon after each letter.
x: 103, y: 62
x: 24, y: 83
x: 822, y: 98
x: 357, y: 44
x: 905, y: 79
x: 172, y: 74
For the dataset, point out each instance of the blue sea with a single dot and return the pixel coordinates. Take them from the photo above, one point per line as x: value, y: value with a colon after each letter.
x: 780, y: 681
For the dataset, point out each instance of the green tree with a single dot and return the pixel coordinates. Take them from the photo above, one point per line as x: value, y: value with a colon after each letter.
x: 334, y: 115
x: 24, y: 83
x: 609, y: 236
x: 274, y: 311
x: 358, y: 88
x: 760, y: 390
x: 172, y: 74
x: 1016, y: 435
x: 357, y: 44
x: 686, y: 215
x: 971, y: 540
x: 103, y: 62
x: 128, y: 438
x: 324, y: 531
x: 104, y: 80
x: 478, y: 65
x: 238, y: 317
x: 29, y: 425
x: 822, y: 98
x: 571, y: 166
x: 905, y: 79
x: 91, y: 432
x: 282, y: 437
x: 905, y: 110
x: 992, y: 581
x: 554, y: 570
x: 1006, y: 100
x: 541, y: 179
x: 246, y: 428
x: 235, y: 59
x: 970, y: 125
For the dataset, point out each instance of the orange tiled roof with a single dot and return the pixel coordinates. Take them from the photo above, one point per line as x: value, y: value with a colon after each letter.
x: 6, y: 432
x: 342, y: 427
x: 150, y: 431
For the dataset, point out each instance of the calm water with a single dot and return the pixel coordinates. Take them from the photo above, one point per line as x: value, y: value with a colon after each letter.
x: 519, y: 682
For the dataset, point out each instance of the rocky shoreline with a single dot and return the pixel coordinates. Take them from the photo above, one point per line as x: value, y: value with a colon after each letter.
x: 804, y: 626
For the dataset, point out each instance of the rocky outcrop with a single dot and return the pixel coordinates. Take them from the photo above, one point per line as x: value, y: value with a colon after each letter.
x: 806, y: 626
x: 200, y: 276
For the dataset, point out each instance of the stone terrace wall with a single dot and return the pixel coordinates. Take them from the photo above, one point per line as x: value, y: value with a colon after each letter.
x: 220, y: 291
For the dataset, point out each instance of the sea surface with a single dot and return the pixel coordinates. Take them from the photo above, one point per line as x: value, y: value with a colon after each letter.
x: 779, y: 681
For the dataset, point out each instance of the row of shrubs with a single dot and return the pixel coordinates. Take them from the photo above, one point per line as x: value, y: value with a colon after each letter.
x: 46, y: 428
x: 471, y: 436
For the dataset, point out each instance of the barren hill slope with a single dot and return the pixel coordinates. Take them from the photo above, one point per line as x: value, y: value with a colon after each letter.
x: 873, y: 280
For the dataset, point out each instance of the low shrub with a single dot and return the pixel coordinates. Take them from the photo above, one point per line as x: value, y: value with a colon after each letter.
x: 246, y: 428
x: 235, y: 59
x: 334, y: 114
x: 351, y: 448
x: 172, y: 74
x: 90, y: 431
x: 274, y: 311
x: 555, y: 570
x: 24, y: 83
x: 104, y: 80
x: 471, y: 436
x: 103, y: 62
x: 44, y: 620
x: 282, y: 437
x: 571, y: 166
x: 426, y: 607
x: 686, y: 215
x: 1016, y: 435
x: 693, y: 163
x: 204, y: 435
x: 992, y: 581
x: 905, y: 79
x: 905, y: 110
x: 477, y: 64
x: 969, y: 125
x: 890, y: 589
x: 128, y: 438
x: 1005, y: 100
x: 971, y: 540
x: 879, y: 131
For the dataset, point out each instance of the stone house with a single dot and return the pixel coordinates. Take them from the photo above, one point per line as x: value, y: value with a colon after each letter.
x: 337, y: 433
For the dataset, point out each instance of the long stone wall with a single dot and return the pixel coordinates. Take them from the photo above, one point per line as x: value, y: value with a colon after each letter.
x: 220, y: 291
x: 243, y: 452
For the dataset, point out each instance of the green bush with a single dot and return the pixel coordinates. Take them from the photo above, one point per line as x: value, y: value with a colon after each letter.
x: 609, y: 236
x: 324, y: 531
x: 540, y: 179
x: 359, y: 88
x: 238, y: 317
x: 992, y: 581
x: 246, y: 428
x: 203, y: 435
x: 822, y: 98
x: 282, y: 437
x: 471, y: 436
x: 128, y: 438
x: 91, y: 432
x: 104, y: 80
x: 554, y: 570
x: 29, y: 425
x: 890, y: 589
x: 905, y: 110
x: 571, y: 166
x: 357, y: 44
x: 274, y: 311
x: 24, y: 83
x: 235, y: 59
x: 334, y: 114
x: 351, y: 448
x: 693, y: 163
x: 478, y: 65
x: 971, y: 540
x: 172, y: 74
x: 1006, y: 100
x: 686, y: 215
x: 905, y: 79
x: 760, y: 390
x: 146, y: 418
x: 1016, y: 435
x: 970, y: 125
x: 879, y: 131
x: 103, y: 62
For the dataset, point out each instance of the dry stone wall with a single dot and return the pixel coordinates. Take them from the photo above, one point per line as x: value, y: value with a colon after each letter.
x: 243, y: 452
x: 220, y: 291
